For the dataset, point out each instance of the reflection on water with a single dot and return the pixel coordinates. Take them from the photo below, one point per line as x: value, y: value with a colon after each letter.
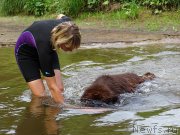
x: 153, y: 109
x: 38, y: 119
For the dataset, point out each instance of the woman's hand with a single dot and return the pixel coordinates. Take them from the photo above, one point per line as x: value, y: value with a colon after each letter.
x: 55, y: 92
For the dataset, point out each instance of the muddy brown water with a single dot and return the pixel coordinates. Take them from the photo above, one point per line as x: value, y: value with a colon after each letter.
x: 153, y: 109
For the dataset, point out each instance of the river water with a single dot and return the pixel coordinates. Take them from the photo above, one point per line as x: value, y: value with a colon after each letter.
x: 153, y: 109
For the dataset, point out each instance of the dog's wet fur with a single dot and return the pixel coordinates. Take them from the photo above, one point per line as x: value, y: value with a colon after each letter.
x: 107, y: 88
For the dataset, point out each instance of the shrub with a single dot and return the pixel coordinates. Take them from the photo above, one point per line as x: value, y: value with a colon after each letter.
x: 158, y: 6
x: 74, y: 7
x: 131, y: 10
x: 35, y: 7
x: 69, y: 7
x: 98, y: 5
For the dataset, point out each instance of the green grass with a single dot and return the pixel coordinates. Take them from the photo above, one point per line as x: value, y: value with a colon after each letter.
x: 166, y: 21
x: 24, y: 20
x: 145, y: 22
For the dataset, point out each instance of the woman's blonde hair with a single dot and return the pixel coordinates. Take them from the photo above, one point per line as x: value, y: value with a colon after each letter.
x: 66, y: 33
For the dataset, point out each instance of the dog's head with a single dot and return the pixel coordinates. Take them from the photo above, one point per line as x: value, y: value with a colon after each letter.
x: 99, y: 93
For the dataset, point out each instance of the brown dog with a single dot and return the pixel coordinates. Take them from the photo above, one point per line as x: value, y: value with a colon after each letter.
x: 107, y: 88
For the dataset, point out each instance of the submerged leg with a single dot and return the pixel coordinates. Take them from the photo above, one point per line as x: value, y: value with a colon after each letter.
x: 37, y: 88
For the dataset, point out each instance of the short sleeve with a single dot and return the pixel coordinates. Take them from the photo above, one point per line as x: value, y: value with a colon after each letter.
x: 55, y: 60
x: 46, y: 61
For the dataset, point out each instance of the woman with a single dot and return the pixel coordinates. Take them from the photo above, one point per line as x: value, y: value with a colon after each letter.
x: 36, y: 51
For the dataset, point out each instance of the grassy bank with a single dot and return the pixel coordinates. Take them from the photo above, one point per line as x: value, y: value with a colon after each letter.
x: 166, y: 21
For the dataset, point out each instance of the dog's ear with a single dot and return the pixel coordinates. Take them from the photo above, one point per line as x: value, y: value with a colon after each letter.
x: 97, y: 92
x: 86, y: 95
x: 89, y: 93
x: 94, y: 94
x: 108, y: 96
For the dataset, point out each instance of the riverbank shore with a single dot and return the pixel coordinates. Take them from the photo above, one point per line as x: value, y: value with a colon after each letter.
x: 9, y: 32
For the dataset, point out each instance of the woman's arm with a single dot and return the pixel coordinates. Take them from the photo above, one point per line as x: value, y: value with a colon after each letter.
x: 59, y: 80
